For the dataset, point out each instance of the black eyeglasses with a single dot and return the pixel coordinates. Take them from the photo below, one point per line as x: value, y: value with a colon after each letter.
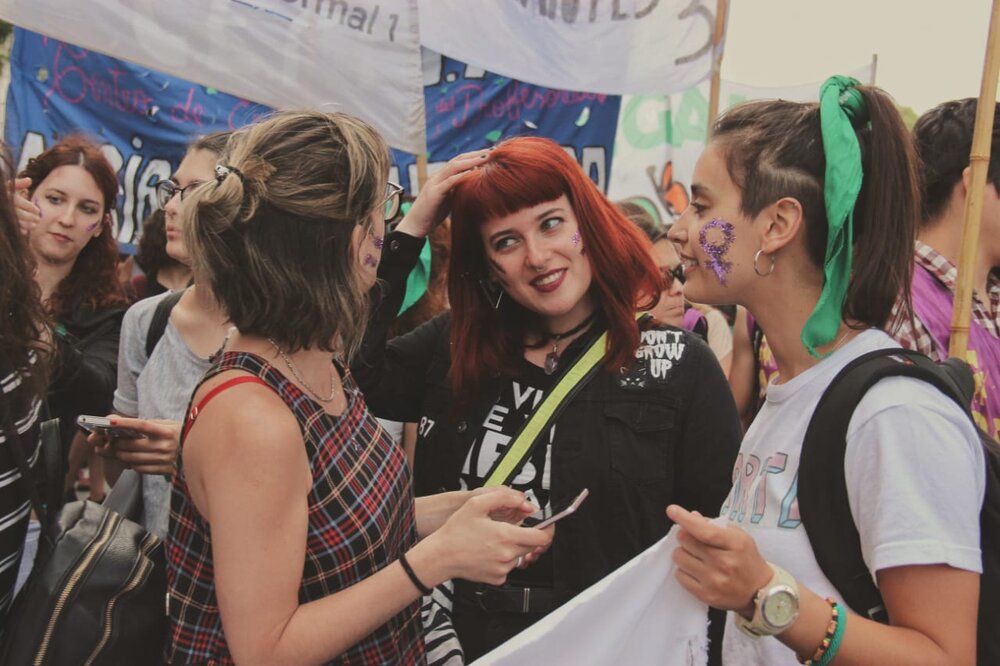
x: 393, y: 195
x: 166, y: 189
x: 671, y: 274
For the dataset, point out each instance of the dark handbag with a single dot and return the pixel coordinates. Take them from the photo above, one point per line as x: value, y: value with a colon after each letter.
x: 97, y: 592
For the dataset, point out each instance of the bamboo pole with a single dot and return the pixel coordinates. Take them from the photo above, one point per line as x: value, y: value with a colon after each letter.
x: 874, y: 68
x: 421, y: 170
x: 979, y: 161
x: 721, y: 9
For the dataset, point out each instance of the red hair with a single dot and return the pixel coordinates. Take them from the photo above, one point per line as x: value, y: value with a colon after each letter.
x: 521, y: 173
x: 92, y: 281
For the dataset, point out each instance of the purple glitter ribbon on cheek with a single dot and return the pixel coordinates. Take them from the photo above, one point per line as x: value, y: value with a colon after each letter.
x: 717, y: 250
x: 371, y: 261
x: 378, y: 242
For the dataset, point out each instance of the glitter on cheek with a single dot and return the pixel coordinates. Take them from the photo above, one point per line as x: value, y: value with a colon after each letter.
x: 378, y: 242
x: 716, y: 248
x: 38, y: 207
x: 371, y: 261
x: 575, y: 238
x: 93, y: 226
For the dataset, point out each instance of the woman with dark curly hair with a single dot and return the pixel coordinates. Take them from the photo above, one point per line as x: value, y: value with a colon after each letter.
x: 74, y: 187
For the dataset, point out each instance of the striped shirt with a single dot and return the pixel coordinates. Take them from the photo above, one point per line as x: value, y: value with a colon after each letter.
x: 15, y: 507
x: 360, y: 521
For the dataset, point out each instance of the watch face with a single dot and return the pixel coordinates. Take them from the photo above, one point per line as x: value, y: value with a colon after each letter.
x: 780, y: 606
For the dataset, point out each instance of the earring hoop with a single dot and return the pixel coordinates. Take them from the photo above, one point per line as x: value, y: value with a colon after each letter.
x: 756, y: 258
x: 493, y: 296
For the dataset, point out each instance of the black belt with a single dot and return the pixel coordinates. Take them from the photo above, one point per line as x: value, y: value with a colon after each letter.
x: 508, y: 599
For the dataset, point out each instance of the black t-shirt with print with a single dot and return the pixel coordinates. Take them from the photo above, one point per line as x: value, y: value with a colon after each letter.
x: 516, y: 402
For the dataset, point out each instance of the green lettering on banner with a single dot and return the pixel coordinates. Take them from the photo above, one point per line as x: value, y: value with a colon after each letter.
x: 639, y: 137
x: 736, y: 99
x: 691, y: 120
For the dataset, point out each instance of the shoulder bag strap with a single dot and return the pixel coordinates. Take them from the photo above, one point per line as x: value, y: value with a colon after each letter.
x: 528, y: 437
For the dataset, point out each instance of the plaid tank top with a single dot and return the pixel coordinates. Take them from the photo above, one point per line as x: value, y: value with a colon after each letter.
x: 360, y: 520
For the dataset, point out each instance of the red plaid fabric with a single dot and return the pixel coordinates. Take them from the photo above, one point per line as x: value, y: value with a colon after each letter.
x: 912, y: 334
x: 360, y: 520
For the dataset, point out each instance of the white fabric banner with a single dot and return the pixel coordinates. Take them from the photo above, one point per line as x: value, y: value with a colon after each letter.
x: 361, y: 57
x: 611, y: 47
x: 659, y: 139
x: 639, y: 615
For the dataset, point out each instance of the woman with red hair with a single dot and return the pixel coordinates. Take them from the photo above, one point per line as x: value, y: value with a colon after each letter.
x: 73, y: 188
x: 542, y: 264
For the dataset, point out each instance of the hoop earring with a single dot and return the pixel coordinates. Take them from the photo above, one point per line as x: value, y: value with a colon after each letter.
x: 756, y: 258
x: 493, y: 296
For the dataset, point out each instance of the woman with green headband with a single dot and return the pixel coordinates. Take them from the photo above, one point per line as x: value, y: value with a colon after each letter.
x: 805, y: 214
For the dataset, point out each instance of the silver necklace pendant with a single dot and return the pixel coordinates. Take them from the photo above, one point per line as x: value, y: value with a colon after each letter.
x: 552, y: 360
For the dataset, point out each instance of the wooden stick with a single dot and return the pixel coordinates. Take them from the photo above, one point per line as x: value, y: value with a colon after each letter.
x: 874, y: 68
x: 721, y: 9
x: 421, y: 170
x: 979, y: 162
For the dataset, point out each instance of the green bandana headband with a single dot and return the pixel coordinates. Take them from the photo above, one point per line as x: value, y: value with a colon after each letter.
x: 841, y: 109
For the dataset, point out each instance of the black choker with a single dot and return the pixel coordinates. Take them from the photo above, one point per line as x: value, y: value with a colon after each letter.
x: 552, y: 358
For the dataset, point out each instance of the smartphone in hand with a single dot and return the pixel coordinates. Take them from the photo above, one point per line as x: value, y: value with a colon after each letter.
x: 103, y: 425
x: 564, y: 511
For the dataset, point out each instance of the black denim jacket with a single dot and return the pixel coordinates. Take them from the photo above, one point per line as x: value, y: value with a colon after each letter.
x: 662, y: 431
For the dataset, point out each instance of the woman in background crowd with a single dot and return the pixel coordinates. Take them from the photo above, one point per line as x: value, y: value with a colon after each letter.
x: 74, y: 188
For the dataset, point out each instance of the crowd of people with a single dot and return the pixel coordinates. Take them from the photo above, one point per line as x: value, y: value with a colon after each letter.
x: 337, y: 394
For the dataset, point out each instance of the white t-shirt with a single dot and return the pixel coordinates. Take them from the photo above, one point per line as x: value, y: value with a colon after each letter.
x: 157, y: 387
x: 915, y: 480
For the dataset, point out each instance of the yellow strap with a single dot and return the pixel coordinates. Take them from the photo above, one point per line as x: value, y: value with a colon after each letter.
x: 514, y: 456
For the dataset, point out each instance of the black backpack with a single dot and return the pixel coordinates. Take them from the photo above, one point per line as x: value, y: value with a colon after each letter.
x: 158, y: 324
x: 97, y: 591
x: 822, y: 488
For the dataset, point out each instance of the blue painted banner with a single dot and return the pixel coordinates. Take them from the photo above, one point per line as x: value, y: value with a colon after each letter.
x: 143, y: 118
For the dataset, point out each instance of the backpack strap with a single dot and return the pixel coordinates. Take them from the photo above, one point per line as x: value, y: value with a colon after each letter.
x: 161, y: 316
x: 822, y: 486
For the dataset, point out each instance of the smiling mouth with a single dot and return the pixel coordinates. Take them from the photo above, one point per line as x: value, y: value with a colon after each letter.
x: 549, y: 280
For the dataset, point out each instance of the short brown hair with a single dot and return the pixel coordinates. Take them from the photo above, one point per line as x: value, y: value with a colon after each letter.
x: 274, y: 237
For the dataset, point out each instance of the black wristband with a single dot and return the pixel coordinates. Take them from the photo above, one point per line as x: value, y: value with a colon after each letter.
x: 424, y: 590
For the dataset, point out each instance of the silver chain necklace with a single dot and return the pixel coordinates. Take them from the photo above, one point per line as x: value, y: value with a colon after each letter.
x: 305, y: 384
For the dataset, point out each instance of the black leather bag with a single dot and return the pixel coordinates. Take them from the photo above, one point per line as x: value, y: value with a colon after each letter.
x: 97, y: 592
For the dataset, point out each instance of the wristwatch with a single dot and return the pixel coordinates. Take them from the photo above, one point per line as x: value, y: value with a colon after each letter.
x: 775, y: 606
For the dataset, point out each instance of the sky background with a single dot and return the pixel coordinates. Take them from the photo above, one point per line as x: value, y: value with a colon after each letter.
x: 928, y: 52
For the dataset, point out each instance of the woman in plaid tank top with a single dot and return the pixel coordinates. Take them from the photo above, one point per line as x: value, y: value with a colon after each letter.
x: 294, y: 532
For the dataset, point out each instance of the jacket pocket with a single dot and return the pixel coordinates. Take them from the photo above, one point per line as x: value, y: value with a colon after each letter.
x: 639, y: 439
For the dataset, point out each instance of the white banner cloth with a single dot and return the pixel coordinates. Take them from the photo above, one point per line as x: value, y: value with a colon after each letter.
x: 639, y: 615
x: 612, y: 47
x: 361, y: 57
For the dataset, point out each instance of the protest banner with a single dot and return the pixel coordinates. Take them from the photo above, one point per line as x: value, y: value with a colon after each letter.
x: 606, y: 46
x: 144, y: 118
x: 362, y: 56
x: 659, y: 138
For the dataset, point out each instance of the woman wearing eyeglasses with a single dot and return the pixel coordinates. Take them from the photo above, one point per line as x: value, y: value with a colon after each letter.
x: 156, y: 376
x: 542, y: 264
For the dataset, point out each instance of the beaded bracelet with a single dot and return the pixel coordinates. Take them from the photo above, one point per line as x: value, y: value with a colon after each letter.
x: 838, y: 637
x: 831, y: 632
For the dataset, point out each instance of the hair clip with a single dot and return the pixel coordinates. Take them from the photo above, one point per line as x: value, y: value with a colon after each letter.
x: 223, y: 170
